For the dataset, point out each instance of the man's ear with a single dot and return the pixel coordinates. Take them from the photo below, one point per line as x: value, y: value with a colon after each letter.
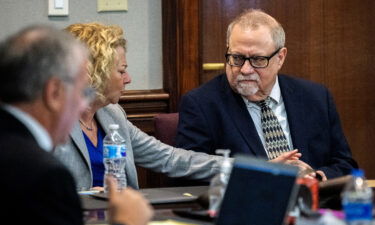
x: 54, y: 94
x: 281, y: 56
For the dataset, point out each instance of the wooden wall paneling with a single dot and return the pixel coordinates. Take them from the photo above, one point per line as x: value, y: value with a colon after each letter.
x: 349, y: 70
x: 189, y: 53
x: 142, y: 105
x: 181, y: 61
x: 170, y: 46
x: 213, y: 37
x: 303, y: 25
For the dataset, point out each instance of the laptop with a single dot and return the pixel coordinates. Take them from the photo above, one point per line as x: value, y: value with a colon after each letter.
x: 258, y: 193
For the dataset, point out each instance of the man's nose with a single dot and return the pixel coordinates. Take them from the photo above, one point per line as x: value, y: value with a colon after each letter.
x: 247, y: 68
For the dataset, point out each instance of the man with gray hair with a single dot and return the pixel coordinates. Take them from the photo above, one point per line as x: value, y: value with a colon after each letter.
x: 254, y: 110
x: 43, y: 91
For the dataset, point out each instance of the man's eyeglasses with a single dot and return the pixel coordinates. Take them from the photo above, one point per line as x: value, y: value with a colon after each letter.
x: 255, y: 61
x: 89, y: 94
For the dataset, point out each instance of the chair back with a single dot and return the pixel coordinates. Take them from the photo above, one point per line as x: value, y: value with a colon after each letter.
x: 166, y: 127
x: 165, y: 131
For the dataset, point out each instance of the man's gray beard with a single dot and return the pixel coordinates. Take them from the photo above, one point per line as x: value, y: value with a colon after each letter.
x: 247, y: 89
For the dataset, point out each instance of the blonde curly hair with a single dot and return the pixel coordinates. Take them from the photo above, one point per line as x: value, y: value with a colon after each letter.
x: 102, y: 40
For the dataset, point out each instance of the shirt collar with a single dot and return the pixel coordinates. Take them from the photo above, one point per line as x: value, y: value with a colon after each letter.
x: 36, y: 129
x: 275, y: 92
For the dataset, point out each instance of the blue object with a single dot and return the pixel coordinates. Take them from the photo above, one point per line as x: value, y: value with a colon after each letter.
x: 357, y: 200
x: 96, y: 158
x: 258, y: 192
x: 114, y: 156
x: 358, y: 173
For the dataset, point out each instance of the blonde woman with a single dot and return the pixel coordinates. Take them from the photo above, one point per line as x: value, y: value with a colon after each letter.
x: 108, y: 75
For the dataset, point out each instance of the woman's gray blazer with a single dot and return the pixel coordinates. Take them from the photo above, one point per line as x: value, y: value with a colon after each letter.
x: 142, y: 149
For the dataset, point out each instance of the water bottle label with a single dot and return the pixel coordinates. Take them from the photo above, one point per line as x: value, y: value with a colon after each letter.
x: 358, y: 211
x: 123, y: 150
x: 113, y: 151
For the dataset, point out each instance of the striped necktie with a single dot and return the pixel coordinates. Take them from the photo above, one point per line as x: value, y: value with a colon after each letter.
x: 276, y: 142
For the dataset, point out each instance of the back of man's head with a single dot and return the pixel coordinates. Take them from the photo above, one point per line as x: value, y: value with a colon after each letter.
x: 29, y: 58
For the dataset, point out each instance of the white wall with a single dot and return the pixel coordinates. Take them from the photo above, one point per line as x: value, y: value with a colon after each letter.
x: 141, y: 23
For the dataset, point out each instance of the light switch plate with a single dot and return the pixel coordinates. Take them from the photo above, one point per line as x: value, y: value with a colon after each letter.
x: 58, y: 7
x: 112, y: 5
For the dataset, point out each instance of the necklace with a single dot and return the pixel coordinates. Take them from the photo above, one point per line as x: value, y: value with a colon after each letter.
x: 85, y: 126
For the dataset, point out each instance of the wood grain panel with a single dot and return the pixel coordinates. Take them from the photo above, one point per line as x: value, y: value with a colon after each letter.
x: 170, y: 45
x: 189, y: 38
x: 142, y: 105
x: 213, y: 28
x: 349, y: 55
x: 180, y: 48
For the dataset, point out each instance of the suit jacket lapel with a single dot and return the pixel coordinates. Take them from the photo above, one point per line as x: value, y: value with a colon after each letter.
x: 104, y: 119
x: 79, y: 140
x: 242, y: 119
x: 296, y: 113
x: 11, y: 125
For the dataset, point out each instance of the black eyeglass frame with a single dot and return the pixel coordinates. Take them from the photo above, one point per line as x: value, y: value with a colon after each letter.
x: 252, y: 58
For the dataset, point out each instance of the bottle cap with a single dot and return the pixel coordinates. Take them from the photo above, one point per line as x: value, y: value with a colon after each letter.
x: 113, y: 126
x: 357, y: 173
x: 226, y: 166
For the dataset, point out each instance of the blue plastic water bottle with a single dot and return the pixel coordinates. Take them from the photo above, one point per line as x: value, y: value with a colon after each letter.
x: 114, y: 157
x: 357, y: 200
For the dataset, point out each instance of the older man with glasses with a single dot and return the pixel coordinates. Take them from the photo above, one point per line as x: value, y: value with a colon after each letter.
x: 43, y: 90
x: 255, y: 110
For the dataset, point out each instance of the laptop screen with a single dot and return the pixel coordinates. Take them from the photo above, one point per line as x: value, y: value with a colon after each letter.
x: 258, y: 193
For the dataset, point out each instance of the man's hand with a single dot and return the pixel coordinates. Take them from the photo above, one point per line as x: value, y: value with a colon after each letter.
x: 301, y: 165
x: 310, y: 173
x: 127, y: 206
x: 292, y: 158
x: 322, y: 174
x: 287, y: 157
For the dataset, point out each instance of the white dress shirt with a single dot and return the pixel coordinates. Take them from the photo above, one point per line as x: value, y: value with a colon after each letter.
x: 278, y: 108
x: 40, y: 134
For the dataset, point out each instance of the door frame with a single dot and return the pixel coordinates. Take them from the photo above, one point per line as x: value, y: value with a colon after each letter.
x: 181, y: 48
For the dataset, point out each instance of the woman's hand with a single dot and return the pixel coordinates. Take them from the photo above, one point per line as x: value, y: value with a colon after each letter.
x: 100, y: 189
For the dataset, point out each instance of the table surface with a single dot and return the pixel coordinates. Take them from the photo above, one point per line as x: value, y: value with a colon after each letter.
x: 371, y: 183
x: 95, y: 209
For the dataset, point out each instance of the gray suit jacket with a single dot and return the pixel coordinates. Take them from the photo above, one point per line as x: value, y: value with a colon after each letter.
x: 142, y: 149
